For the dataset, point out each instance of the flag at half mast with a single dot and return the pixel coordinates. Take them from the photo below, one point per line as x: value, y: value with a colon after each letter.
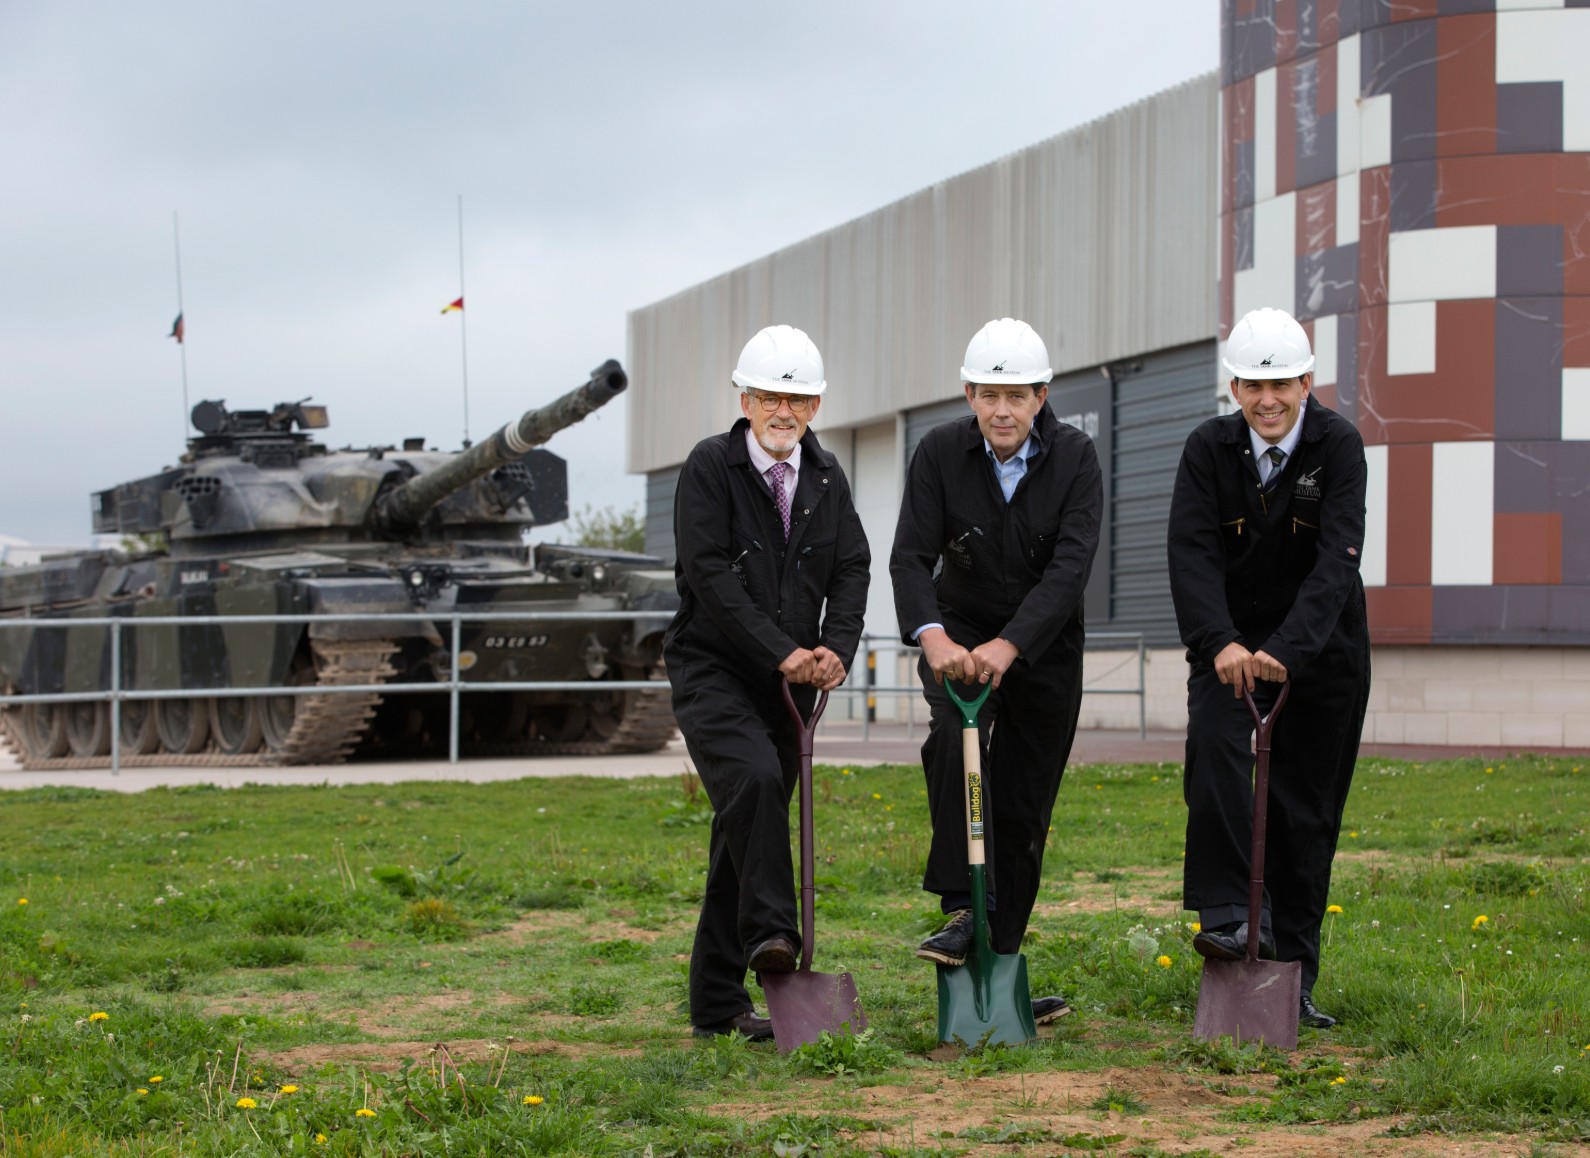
x: 177, y: 330
x: 454, y: 305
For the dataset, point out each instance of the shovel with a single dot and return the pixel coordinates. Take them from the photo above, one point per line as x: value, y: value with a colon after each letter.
x: 1253, y: 1000
x: 803, y: 1005
x: 986, y: 1001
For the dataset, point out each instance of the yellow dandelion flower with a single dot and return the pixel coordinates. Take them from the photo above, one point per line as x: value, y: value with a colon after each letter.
x: 1353, y: 833
x: 1488, y: 771
x: 844, y: 771
x: 320, y: 1138
x: 1333, y: 908
x: 142, y: 1093
x: 364, y: 1112
x: 533, y: 1099
x: 1339, y: 1081
x: 156, y: 1080
x: 1482, y: 919
x: 289, y: 1089
x: 22, y: 900
x: 1195, y: 926
x: 246, y: 1103
x: 99, y: 1017
x: 1163, y: 961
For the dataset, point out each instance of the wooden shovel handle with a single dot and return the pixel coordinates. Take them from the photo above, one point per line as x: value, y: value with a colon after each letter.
x: 1262, y: 727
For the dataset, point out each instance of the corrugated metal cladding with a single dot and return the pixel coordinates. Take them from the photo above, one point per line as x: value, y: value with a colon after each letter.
x: 1138, y: 412
x: 1099, y: 237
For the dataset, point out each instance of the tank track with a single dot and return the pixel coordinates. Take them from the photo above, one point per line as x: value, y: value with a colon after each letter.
x: 325, y: 730
x: 648, y: 725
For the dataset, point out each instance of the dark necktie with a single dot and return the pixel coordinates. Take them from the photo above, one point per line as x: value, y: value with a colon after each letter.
x: 775, y: 476
x: 1276, y: 456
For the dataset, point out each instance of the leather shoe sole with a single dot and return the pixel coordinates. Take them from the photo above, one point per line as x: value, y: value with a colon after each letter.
x: 1047, y: 1009
x: 950, y: 944
x: 1231, y: 944
x: 775, y: 955
x: 747, y: 1024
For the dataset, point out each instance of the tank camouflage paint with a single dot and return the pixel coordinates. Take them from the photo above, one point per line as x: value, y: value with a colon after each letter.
x: 260, y: 519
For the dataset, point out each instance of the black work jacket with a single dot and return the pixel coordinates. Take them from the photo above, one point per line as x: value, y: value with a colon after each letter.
x: 1014, y: 571
x: 1276, y: 571
x: 746, y: 597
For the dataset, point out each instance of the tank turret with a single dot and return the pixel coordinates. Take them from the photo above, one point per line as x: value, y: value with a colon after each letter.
x: 259, y: 518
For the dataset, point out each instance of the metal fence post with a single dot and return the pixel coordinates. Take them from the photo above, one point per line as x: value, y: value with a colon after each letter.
x: 115, y: 698
x: 452, y: 696
x: 1142, y: 693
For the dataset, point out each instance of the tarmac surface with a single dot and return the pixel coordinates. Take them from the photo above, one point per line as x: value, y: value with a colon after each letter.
x: 840, y: 743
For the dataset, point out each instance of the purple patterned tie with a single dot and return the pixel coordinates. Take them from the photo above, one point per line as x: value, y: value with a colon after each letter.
x: 775, y: 476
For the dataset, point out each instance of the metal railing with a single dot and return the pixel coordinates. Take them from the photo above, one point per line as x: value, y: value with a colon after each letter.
x: 865, y: 665
x: 453, y: 686
x: 874, y: 645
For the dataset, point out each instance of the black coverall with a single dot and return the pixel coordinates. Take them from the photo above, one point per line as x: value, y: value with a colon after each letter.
x: 1014, y: 571
x: 1276, y: 571
x: 747, y: 600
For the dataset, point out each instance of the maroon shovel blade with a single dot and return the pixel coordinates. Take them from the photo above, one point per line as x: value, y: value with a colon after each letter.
x: 804, y: 1005
x: 1253, y: 1000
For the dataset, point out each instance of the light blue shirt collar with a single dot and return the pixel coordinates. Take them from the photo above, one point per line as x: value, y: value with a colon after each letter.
x: 1288, y: 445
x: 1011, y: 471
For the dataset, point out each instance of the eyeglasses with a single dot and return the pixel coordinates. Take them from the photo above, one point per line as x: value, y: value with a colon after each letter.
x: 797, y: 403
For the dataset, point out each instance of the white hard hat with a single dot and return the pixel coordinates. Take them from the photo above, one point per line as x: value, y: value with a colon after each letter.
x: 782, y: 360
x: 1009, y: 351
x: 1268, y: 344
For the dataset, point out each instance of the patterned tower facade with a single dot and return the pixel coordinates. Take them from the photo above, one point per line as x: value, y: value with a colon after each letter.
x: 1411, y: 180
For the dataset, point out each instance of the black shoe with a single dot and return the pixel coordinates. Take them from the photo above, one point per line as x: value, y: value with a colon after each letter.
x: 1230, y: 943
x: 775, y: 955
x: 747, y: 1024
x: 950, y: 944
x: 1308, y: 1014
x: 1047, y: 1009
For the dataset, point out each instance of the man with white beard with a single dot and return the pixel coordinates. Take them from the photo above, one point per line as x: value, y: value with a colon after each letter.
x: 766, y: 533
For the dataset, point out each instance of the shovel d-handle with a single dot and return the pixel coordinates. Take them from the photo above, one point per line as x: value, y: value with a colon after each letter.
x: 1263, y: 726
x: 806, y: 729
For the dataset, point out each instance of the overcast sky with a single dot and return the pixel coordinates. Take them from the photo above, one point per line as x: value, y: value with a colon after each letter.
x: 608, y: 155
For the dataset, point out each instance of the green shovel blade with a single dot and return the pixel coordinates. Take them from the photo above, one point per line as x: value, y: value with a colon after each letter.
x: 971, y: 1016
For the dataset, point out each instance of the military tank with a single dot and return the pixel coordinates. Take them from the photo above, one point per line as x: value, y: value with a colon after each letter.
x: 260, y: 519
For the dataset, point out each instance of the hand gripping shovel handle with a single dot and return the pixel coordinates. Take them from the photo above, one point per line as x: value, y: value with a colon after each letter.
x: 1262, y: 727
x: 806, y: 730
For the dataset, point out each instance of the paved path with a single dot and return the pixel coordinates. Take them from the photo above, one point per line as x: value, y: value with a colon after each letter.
x: 839, y: 744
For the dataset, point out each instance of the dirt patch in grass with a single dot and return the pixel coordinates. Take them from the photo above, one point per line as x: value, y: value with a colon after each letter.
x: 1036, y: 1112
x: 570, y: 925
x: 389, y: 1055
x: 1133, y: 887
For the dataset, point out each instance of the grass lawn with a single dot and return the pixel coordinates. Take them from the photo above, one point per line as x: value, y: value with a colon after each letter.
x: 499, y: 969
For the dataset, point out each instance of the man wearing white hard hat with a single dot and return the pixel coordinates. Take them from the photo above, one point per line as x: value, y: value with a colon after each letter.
x: 1266, y: 536
x: 772, y: 574
x: 997, y: 532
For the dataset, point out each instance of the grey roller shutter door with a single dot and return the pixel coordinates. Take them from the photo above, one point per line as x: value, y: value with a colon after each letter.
x: 1159, y: 400
x: 660, y: 487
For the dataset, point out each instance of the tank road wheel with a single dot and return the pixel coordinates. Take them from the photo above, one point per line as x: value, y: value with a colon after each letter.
x: 184, y: 725
x: 43, y: 730
x: 606, y: 716
x: 235, y: 724
x: 139, y: 736
x: 279, y: 713
x: 561, y: 723
x: 87, y: 728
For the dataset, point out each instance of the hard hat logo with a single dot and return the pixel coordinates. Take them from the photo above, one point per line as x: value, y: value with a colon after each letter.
x: 789, y: 376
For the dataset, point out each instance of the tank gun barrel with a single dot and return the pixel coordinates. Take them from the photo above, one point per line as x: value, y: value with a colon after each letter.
x: 406, y: 505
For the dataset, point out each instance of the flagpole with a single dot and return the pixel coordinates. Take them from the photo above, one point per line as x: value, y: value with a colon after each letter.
x: 182, y: 345
x: 463, y: 319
